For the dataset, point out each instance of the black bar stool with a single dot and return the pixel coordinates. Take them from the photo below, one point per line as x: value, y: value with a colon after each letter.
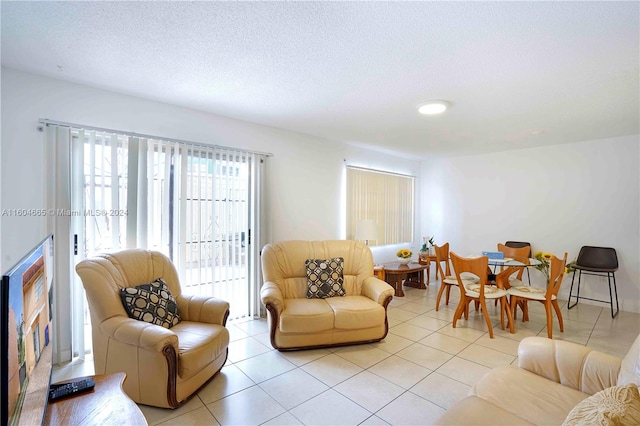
x: 600, y: 261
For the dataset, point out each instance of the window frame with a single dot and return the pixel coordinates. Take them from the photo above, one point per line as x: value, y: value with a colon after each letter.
x: 385, y: 197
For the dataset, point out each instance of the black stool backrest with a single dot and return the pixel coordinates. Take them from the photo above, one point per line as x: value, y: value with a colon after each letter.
x: 604, y: 258
x: 518, y: 244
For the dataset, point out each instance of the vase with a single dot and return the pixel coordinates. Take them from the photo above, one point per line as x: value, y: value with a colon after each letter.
x: 404, y: 260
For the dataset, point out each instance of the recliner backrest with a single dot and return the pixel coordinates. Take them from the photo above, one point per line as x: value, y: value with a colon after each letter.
x: 104, y: 275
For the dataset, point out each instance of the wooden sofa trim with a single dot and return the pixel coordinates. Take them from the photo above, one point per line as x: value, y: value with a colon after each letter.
x: 170, y: 355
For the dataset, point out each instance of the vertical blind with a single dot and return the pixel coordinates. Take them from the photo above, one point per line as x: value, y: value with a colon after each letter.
x: 190, y: 202
x: 197, y: 204
x: 386, y: 198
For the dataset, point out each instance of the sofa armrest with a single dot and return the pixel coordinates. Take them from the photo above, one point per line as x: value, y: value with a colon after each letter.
x: 376, y: 289
x: 569, y: 364
x: 139, y: 333
x: 205, y: 309
x: 270, y: 294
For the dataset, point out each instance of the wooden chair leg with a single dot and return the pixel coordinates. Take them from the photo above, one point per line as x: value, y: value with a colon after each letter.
x: 459, y: 311
x: 447, y: 295
x: 509, y: 316
x: 556, y: 307
x: 513, y: 302
x: 483, y: 306
x: 502, y: 309
x: 525, y: 310
x: 547, y: 308
x: 440, y: 291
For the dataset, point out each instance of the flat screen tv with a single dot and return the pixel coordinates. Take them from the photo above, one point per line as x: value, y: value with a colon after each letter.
x: 26, y: 296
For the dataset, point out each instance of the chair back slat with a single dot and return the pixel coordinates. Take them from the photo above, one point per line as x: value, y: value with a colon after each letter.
x: 556, y: 274
x: 477, y: 266
x: 442, y: 255
x: 515, y: 253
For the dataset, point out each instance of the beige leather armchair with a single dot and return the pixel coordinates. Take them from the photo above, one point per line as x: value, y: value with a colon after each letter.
x: 551, y: 378
x: 163, y: 366
x: 297, y: 322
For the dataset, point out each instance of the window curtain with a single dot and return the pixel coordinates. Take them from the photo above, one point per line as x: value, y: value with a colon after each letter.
x: 197, y: 204
x: 57, y: 184
x: 386, y: 198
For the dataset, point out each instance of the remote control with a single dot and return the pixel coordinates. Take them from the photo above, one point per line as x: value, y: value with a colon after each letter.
x: 66, y: 390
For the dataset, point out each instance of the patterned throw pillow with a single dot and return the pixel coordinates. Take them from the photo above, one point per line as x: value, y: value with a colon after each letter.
x: 152, y: 303
x: 325, y: 278
x: 617, y: 405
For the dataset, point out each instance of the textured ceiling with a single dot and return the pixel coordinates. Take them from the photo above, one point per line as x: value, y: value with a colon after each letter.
x: 517, y: 74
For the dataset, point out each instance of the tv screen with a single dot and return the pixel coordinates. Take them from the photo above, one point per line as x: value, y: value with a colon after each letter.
x: 26, y: 297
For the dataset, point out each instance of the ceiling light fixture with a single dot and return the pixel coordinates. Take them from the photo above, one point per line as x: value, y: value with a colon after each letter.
x: 433, y: 107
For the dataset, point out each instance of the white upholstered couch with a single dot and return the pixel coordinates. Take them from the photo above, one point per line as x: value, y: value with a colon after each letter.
x: 551, y: 378
x: 298, y: 322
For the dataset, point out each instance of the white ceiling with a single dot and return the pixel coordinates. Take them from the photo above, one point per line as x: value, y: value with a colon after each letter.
x: 356, y: 71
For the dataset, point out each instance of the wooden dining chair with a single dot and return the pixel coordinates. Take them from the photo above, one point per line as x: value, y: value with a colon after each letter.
x: 547, y: 296
x: 447, y: 278
x: 515, y: 253
x: 518, y: 244
x: 478, y: 291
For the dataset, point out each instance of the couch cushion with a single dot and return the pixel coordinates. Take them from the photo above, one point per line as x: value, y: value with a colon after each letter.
x: 325, y: 277
x: 152, y: 303
x: 630, y: 368
x: 306, y: 316
x: 356, y: 312
x: 198, y: 345
x: 478, y: 412
x: 617, y: 405
x: 523, y: 393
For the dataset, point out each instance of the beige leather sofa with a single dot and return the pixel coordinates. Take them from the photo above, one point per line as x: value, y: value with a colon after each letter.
x: 298, y: 322
x: 163, y: 366
x: 552, y: 376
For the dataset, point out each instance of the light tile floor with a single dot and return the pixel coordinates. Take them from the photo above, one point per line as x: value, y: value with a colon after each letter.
x: 420, y: 369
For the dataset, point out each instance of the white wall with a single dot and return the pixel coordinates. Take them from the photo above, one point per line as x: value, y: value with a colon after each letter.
x: 305, y: 173
x: 558, y: 198
x: 304, y: 181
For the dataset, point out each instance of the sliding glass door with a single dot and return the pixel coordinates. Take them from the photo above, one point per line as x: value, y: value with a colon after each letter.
x: 199, y: 205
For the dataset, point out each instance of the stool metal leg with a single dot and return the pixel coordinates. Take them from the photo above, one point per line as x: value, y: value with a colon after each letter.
x: 615, y: 289
x: 569, y: 305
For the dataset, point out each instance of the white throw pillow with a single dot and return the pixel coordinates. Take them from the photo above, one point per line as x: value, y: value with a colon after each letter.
x: 617, y: 405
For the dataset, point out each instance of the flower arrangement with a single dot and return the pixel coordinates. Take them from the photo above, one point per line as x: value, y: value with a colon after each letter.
x: 426, y: 243
x: 545, y: 262
x: 404, y: 253
x: 570, y: 267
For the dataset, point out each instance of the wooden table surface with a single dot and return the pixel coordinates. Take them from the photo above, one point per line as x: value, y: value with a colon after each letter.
x: 107, y: 404
x: 395, y: 274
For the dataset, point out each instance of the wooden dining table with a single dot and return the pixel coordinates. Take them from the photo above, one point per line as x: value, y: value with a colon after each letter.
x: 508, y: 266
